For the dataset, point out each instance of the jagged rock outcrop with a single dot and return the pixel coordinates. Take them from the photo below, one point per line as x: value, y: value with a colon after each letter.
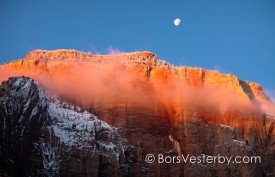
x: 44, y: 136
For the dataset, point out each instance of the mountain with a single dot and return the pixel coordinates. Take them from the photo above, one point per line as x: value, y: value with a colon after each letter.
x: 135, y: 105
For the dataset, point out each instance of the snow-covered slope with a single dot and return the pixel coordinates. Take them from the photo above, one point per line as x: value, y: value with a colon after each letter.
x: 76, y: 128
x: 55, y: 137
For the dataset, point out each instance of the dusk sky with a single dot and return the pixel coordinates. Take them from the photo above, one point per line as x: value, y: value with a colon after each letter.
x: 232, y: 36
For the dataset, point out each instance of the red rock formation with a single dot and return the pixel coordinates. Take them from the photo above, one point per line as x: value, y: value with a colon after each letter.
x: 149, y: 99
x: 142, y: 79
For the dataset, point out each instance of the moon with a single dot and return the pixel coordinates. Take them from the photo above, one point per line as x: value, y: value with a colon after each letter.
x: 177, y: 22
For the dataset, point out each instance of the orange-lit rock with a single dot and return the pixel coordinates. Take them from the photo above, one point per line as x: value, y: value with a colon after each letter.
x: 143, y: 79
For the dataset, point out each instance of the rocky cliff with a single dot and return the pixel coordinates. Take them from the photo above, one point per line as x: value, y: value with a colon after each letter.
x: 156, y: 108
x: 51, y: 63
x: 42, y: 135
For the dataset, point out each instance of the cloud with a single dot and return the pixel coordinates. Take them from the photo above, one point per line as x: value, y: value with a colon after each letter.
x: 271, y: 94
x: 113, y: 51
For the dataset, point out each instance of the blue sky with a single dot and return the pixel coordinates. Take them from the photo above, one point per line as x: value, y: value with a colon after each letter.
x: 232, y: 36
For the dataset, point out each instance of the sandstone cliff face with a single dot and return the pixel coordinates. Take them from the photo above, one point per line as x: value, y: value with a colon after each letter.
x: 42, y: 62
x: 159, y: 108
x: 135, y: 75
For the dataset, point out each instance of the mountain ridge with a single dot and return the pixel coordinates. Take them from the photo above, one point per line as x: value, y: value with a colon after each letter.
x: 145, y: 61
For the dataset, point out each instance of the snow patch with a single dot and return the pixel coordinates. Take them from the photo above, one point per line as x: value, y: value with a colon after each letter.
x: 226, y: 126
